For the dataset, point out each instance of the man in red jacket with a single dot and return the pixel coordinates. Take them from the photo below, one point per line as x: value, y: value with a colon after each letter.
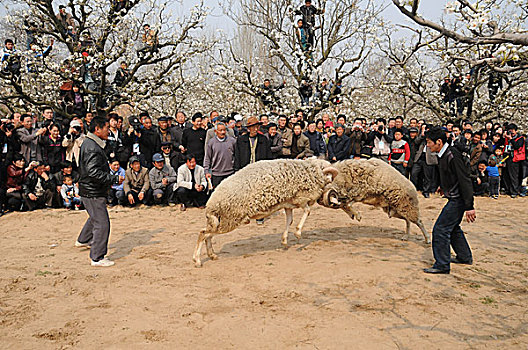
x: 515, y: 145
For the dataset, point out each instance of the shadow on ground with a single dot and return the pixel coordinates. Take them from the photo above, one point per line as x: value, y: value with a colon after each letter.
x: 131, y: 240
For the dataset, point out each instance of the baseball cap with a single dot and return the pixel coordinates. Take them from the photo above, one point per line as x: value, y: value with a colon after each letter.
x: 157, y: 158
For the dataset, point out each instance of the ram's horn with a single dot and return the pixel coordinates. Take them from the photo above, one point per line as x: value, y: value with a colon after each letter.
x: 331, y: 171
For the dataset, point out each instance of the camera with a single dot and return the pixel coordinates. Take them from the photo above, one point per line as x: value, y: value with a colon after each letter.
x: 77, y: 129
x: 380, y: 128
x: 135, y: 123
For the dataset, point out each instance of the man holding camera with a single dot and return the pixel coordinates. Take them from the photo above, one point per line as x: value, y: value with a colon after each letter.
x: 357, y: 138
x: 73, y: 141
x: 380, y: 141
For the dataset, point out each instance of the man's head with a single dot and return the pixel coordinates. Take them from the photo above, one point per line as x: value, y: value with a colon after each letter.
x: 124, y: 65
x: 341, y: 119
x: 147, y: 123
x: 40, y: 168
x: 398, y: 122
x: 114, y: 164
x: 9, y: 44
x: 180, y: 117
x: 339, y: 130
x: 66, y: 167
x: 512, y: 129
x: 99, y: 127
x: 135, y: 164
x: 482, y: 165
x: 158, y: 161
x: 436, y: 138
x: 264, y: 119
x: 468, y: 134
x: 197, y: 120
x: 67, y: 180
x: 398, y: 134
x: 113, y: 120
x: 163, y: 123
x: 213, y: 115
x: 253, y: 125
x: 413, y: 132
x: 62, y: 9
x: 220, y: 130
x: 283, y: 120
x: 392, y: 123
x: 190, y: 161
x: 272, y: 129
x: 312, y: 126
x: 297, y: 129
x: 456, y: 130
x: 468, y: 126
x: 300, y: 23
x: 325, y: 117
x: 300, y: 114
x: 27, y: 121
x: 47, y: 113
x: 476, y: 138
x: 413, y: 123
x: 18, y: 160
x: 267, y: 83
x: 146, y: 27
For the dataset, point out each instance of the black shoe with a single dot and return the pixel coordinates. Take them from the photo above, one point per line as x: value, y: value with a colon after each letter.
x: 436, y: 271
x: 458, y: 261
x: 426, y: 195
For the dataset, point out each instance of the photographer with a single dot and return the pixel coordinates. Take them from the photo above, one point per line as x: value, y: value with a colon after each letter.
x: 73, y: 141
x: 28, y: 136
x: 380, y: 141
x: 357, y: 138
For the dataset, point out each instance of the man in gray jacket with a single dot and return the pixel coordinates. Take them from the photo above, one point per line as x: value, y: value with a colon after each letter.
x: 219, y: 155
x: 162, y: 178
x: 191, y: 184
x: 29, y: 136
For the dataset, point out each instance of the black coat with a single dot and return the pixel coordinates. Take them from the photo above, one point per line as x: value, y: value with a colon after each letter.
x: 94, y: 172
x: 149, y: 143
x: 31, y: 182
x: 243, y: 150
x: 338, y: 147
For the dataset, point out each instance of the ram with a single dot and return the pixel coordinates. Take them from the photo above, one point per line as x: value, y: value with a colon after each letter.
x: 260, y: 189
x: 376, y: 183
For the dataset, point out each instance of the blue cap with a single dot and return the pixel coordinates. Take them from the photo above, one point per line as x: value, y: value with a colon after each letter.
x: 157, y: 158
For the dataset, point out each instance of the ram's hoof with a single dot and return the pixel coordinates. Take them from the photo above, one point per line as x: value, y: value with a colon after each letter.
x: 213, y: 256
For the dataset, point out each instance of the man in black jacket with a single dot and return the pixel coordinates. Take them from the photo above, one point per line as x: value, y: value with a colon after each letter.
x: 149, y: 143
x: 38, y: 187
x: 94, y: 183
x: 251, y: 147
x: 457, y: 187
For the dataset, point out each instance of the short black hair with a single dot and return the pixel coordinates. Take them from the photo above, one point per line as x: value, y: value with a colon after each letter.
x: 97, y: 122
x: 381, y: 120
x: 113, y: 115
x: 398, y: 130
x: 482, y: 161
x: 7, y: 41
x: 399, y: 117
x: 272, y: 125
x: 24, y: 116
x: 65, y: 164
x: 17, y: 157
x: 341, y: 116
x: 196, y: 116
x: 189, y: 157
x: 143, y: 114
x: 297, y: 124
x: 511, y: 126
x: 436, y: 133
x: 64, y: 177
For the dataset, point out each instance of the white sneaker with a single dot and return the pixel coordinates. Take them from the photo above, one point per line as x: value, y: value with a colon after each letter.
x: 81, y: 245
x: 103, y: 263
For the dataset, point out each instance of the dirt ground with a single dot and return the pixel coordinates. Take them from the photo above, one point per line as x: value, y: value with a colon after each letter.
x: 345, y: 285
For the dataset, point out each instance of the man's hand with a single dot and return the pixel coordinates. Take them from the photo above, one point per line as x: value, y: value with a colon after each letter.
x: 405, y: 165
x: 198, y: 187
x: 471, y: 215
x: 131, y: 198
x: 141, y: 195
x: 165, y: 181
x: 32, y: 197
x: 479, y: 181
x: 208, y: 175
x: 41, y: 131
x: 45, y: 176
x: 12, y: 189
x: 121, y: 179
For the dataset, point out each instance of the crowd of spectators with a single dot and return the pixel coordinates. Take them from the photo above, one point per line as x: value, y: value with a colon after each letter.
x: 181, y: 160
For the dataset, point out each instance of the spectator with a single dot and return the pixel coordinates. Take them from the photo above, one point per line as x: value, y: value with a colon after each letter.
x: 192, y: 184
x: 475, y: 151
x: 212, y: 132
x: 317, y: 143
x: 162, y: 178
x: 267, y: 93
x: 305, y: 92
x: 380, y: 141
x: 52, y: 149
x: 424, y: 170
x: 149, y: 142
x: 298, y: 145
x: 308, y: 12
x: 193, y: 139
x: 167, y: 134
x: 116, y: 144
x: 73, y: 101
x: 150, y: 41
x: 35, y: 61
x: 338, y: 144
x: 264, y: 122
x: 122, y: 75
x: 398, y: 124
x: 116, y: 194
x: 357, y: 138
x: 10, y: 59
x: 303, y: 37
x: 275, y: 140
x: 29, y: 137
x: 493, y: 178
x: 283, y: 128
x: 38, y: 187
x: 66, y: 169
x: 515, y: 146
x: 480, y: 179
x: 73, y: 141
x: 252, y: 146
x: 137, y: 183
x: 16, y: 175
x: 494, y: 85
x: 67, y: 24
x: 70, y: 193
x: 219, y: 156
x: 172, y: 158
x: 400, y: 152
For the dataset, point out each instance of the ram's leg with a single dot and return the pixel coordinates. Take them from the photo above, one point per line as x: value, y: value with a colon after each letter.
x: 353, y: 213
x: 426, y: 235
x: 289, y: 220
x: 209, y: 245
x: 407, y: 230
x: 198, y: 249
x: 301, y: 223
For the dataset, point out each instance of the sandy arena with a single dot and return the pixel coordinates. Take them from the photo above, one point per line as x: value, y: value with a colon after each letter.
x: 345, y: 285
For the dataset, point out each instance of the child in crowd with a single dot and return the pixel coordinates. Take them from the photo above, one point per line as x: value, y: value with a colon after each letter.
x: 70, y: 193
x: 400, y: 152
x: 116, y: 195
x: 493, y: 178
